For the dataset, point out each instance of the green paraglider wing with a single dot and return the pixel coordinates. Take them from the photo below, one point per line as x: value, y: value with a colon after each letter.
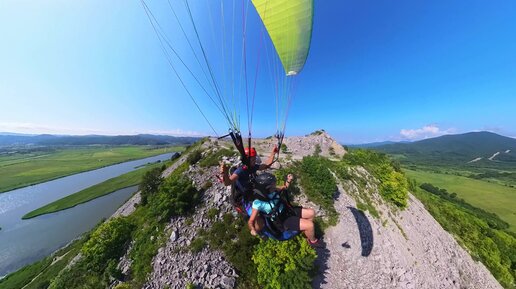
x: 289, y: 23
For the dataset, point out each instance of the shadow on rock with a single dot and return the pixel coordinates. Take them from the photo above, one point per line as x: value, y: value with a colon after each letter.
x: 365, y: 230
x: 321, y: 265
x: 323, y: 254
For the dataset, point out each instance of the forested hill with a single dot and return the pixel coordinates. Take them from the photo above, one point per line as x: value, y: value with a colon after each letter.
x: 50, y: 140
x: 460, y: 148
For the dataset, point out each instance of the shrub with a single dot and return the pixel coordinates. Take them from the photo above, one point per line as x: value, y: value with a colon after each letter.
x: 189, y: 221
x: 207, y: 185
x: 148, y: 238
x: 393, y: 187
x: 212, y: 213
x: 284, y: 264
x: 197, y: 245
x: 214, y: 158
x: 78, y: 276
x: 101, y: 253
x: 393, y: 183
x: 284, y: 148
x: 368, y: 206
x: 319, y: 183
x: 194, y: 157
x: 107, y: 243
x: 123, y: 286
x: 112, y: 271
x: 318, y: 132
x: 176, y: 196
x: 343, y: 171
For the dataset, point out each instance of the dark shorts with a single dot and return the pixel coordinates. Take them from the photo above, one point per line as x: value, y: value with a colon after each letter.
x: 292, y: 223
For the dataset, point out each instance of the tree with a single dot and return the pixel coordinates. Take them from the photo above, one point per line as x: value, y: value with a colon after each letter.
x: 317, y: 150
x: 150, y: 183
x: 174, y: 156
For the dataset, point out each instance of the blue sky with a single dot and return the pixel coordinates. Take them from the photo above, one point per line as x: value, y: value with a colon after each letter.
x: 377, y: 70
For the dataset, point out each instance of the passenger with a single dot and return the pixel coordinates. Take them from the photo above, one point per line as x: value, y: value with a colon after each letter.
x: 290, y: 218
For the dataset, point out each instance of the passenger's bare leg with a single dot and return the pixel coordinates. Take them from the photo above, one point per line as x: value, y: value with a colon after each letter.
x: 307, y: 227
x: 308, y: 214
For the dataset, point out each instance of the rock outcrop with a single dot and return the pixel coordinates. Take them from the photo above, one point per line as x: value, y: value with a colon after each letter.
x: 299, y: 146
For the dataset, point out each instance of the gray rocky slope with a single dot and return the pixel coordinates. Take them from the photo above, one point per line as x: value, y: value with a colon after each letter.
x: 399, y: 249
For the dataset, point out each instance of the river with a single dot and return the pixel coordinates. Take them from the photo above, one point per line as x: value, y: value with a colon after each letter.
x: 25, y: 241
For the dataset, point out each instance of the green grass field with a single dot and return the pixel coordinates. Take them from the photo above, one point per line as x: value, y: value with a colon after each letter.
x: 20, y: 170
x: 491, y: 197
x: 126, y: 180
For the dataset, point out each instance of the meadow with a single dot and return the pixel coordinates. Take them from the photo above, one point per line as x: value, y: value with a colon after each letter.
x: 489, y: 196
x: 19, y: 170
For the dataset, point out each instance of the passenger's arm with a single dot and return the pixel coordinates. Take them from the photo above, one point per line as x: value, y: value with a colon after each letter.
x: 228, y: 180
x: 250, y: 223
x: 290, y: 178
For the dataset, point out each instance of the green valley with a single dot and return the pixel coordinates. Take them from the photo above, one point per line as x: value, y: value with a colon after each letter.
x: 29, y: 167
x: 491, y: 197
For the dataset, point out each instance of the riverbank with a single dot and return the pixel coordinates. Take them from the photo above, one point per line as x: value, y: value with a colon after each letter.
x: 16, y: 173
x: 26, y: 241
x: 107, y: 187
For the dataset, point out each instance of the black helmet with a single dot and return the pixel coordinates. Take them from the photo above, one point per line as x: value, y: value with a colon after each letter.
x: 265, y: 182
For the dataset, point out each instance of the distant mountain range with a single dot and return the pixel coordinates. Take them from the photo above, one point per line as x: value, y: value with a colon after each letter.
x: 375, y: 144
x: 473, y: 147
x: 14, y: 133
x: 10, y: 139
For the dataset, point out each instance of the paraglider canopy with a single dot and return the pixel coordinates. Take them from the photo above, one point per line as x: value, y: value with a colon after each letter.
x: 289, y: 23
x: 217, y: 66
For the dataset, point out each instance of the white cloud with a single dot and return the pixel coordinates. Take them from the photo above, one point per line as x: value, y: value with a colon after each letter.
x: 427, y: 131
x: 31, y: 128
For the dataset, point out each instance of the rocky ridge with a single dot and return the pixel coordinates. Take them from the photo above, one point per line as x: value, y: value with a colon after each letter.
x: 400, y: 249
